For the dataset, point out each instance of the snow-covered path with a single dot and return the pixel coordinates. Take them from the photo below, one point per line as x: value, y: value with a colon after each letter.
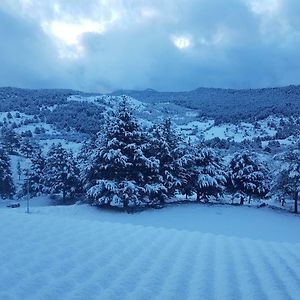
x: 55, y: 257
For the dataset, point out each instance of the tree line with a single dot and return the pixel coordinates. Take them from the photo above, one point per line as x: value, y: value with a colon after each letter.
x: 130, y: 167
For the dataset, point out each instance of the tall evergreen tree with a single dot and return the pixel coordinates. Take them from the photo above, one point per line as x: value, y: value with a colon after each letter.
x: 248, y: 175
x: 10, y: 140
x: 7, y: 188
x: 207, y: 174
x: 121, y: 172
x: 168, y: 148
x: 288, y: 180
x: 84, y: 160
x: 61, y: 173
x: 35, y: 176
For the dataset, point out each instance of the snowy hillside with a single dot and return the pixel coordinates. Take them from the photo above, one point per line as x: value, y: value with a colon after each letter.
x: 147, y: 113
x: 235, y: 115
x: 77, y: 253
x: 229, y: 105
x: 188, y: 122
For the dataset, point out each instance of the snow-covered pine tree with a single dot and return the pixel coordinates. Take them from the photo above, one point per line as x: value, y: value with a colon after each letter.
x: 248, y: 175
x: 10, y: 140
x: 288, y: 180
x: 7, y: 188
x: 168, y: 148
x: 154, y: 188
x: 35, y: 176
x: 184, y: 167
x: 121, y: 174
x: 27, y: 147
x: 207, y: 174
x: 61, y: 175
x: 84, y: 160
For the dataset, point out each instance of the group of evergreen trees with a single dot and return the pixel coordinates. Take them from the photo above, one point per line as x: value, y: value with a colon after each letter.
x: 57, y: 173
x: 53, y: 174
x: 128, y: 166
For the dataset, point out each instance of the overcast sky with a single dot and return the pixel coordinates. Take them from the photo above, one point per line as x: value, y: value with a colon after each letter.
x: 103, y: 45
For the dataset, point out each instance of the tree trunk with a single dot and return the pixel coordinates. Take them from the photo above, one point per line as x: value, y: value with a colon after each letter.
x: 125, y: 205
x: 296, y: 204
x: 198, y: 197
x: 161, y: 201
x: 64, y: 195
x: 249, y: 200
x: 242, y: 200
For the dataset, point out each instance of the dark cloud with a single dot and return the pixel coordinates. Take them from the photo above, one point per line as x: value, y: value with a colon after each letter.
x: 132, y: 44
x: 27, y: 57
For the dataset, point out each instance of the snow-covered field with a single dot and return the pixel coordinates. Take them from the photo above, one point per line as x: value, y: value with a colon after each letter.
x: 189, y: 252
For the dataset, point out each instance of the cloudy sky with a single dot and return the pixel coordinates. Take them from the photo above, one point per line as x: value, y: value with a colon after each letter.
x: 102, y: 45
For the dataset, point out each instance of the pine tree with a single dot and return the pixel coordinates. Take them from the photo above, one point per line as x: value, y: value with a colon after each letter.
x: 7, y: 188
x: 121, y: 171
x: 35, y: 176
x: 288, y: 180
x: 61, y: 173
x: 168, y: 148
x: 154, y: 189
x: 11, y: 141
x: 84, y: 160
x: 27, y: 147
x: 248, y: 175
x: 207, y: 174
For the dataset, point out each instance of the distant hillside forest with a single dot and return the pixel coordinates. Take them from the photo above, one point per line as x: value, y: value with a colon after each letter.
x: 229, y: 105
x: 53, y: 107
x: 222, y: 105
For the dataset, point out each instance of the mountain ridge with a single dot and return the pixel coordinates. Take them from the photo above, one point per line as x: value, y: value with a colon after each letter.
x: 222, y: 105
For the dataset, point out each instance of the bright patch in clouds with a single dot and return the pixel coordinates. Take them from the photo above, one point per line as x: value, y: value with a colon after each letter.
x: 181, y: 42
x: 69, y: 35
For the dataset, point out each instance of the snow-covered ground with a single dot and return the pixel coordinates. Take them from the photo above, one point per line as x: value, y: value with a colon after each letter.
x: 187, y: 252
x: 108, y: 101
x: 244, y: 131
x: 49, y: 129
x: 71, y: 146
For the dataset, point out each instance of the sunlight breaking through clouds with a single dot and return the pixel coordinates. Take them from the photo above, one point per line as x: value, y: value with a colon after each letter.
x: 69, y: 35
x: 181, y: 42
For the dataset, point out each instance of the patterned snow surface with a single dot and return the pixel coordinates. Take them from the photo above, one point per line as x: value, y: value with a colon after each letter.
x: 56, y: 257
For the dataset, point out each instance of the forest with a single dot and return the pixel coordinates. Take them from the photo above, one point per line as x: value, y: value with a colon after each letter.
x: 127, y: 166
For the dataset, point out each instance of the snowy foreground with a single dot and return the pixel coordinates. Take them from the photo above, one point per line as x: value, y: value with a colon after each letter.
x: 190, y: 252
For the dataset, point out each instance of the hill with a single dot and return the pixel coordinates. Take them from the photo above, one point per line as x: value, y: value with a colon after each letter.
x: 229, y: 105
